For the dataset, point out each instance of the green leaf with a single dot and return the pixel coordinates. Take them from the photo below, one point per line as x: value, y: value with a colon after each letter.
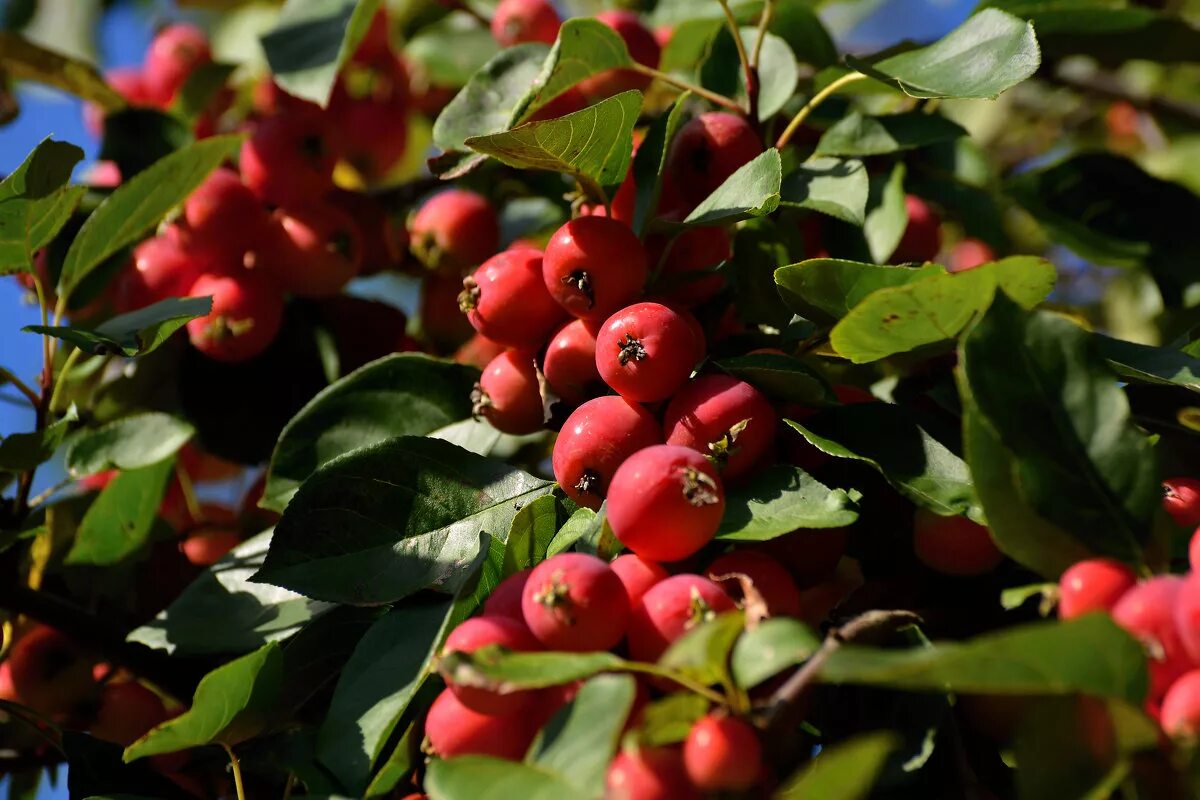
x: 773, y: 646
x: 575, y: 528
x: 136, y: 137
x: 1162, y: 366
x: 132, y: 442
x: 36, y: 201
x: 651, y: 161
x: 825, y: 289
x: 487, y: 104
x: 833, y: 186
x: 777, y: 69
x: 407, y: 514
x: 579, y: 742
x: 376, y: 686
x: 702, y: 653
x: 988, y: 54
x: 759, y: 250
x: 24, y: 451
x: 1066, y: 749
x: 779, y: 500
x: 856, y: 134
x: 118, y: 524
x: 399, y: 395
x: 1078, y: 459
x: 887, y: 214
x: 804, y: 32
x: 1088, y: 655
x: 503, y: 671
x: 938, y: 308
x: 781, y: 377
x: 594, y: 145
x: 845, y: 771
x: 530, y: 534
x: 251, y: 614
x: 230, y: 705
x: 312, y: 40
x: 140, y: 203
x: 453, y: 49
x: 201, y: 89
x: 585, y: 47
x: 24, y: 60
x: 487, y: 778
x: 898, y: 442
x: 670, y: 719
x: 752, y: 191
x: 133, y: 334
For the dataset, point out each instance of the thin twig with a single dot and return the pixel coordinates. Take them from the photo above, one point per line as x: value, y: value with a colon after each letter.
x: 62, y: 377
x: 811, y: 105
x: 712, y: 97
x: 20, y: 385
x: 747, y: 68
x: 236, y: 766
x: 764, y: 22
x: 50, y: 492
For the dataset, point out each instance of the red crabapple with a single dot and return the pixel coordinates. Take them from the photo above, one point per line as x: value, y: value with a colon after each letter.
x: 312, y: 251
x: 643, y: 48
x: 686, y: 274
x: 1181, y: 499
x: 954, y: 545
x: 1187, y: 615
x: 772, y: 582
x: 1180, y: 714
x: 479, y: 632
x: 454, y: 229
x: 594, y: 266
x: 225, y: 214
x: 665, y: 502
x: 519, y: 21
x: 968, y: 254
x: 455, y: 730
x: 289, y: 158
x: 707, y: 150
x: 1147, y: 612
x: 508, y: 396
x: 505, y: 599
x: 1194, y: 551
x: 504, y: 299
x: 442, y: 321
x: 646, y: 351
x: 809, y: 554
x: 722, y: 754
x: 575, y: 602
x: 637, y: 575
x: 624, y: 202
x: 130, y: 83
x: 1096, y: 584
x: 570, y: 363
x: 385, y: 239
x: 595, y: 440
x: 176, y: 51
x: 724, y: 418
x: 671, y: 608
x: 127, y: 712
x: 49, y: 672
x: 163, y: 266
x: 247, y: 311
x: 478, y: 351
x: 364, y: 330
x: 209, y: 545
x: 649, y: 773
x: 923, y: 237
x: 373, y: 129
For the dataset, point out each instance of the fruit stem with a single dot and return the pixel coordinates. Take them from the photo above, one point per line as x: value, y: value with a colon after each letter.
x: 675, y: 677
x: 712, y: 97
x: 236, y: 766
x: 744, y: 58
x: 811, y: 105
x: 62, y: 377
x: 188, y: 490
x: 764, y: 22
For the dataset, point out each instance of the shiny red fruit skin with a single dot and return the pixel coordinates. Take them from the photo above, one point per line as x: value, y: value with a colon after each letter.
x: 670, y: 609
x: 518, y: 21
x: 247, y: 311
x: 455, y: 730
x: 510, y: 399
x: 646, y: 352
x: 505, y: 300
x: 665, y: 502
x: 1096, y: 584
x: 595, y: 440
x: 686, y: 276
x: 968, y: 254
x: 1194, y: 551
x: 637, y: 575
x: 594, y: 266
x: 127, y: 711
x: 289, y: 159
x: 1181, y: 499
x: 704, y: 414
x: 225, y: 214
x: 722, y: 754
x: 643, y: 48
x: 1180, y: 715
x: 575, y: 602
x: 505, y: 599
x: 314, y: 250
x: 954, y: 545
x: 1147, y: 612
x: 771, y: 580
x: 707, y: 150
x: 479, y: 632
x: 454, y: 230
x: 570, y: 363
x: 922, y: 238
x: 49, y: 672
x: 163, y: 266
x: 173, y: 55
x: 1187, y: 616
x: 385, y: 238
x: 372, y: 129
x: 207, y: 546
x: 649, y: 773
x: 478, y: 351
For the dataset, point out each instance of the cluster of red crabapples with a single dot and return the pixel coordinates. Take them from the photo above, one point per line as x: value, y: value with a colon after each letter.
x: 1162, y: 611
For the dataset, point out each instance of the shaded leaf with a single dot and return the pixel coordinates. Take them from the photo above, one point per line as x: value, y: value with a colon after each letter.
x: 453, y: 49
x: 773, y: 646
x: 36, y: 201
x: 24, y: 451
x: 702, y: 653
x: 119, y: 522
x: 503, y: 671
x: 1162, y: 366
x: 133, y: 334
x: 857, y: 134
x: 530, y: 534
x: 581, y: 739
x: 845, y: 771
x: 668, y: 720
x: 651, y: 160
x: 777, y: 69
x: 24, y: 60
x: 780, y: 376
x: 887, y: 214
x: 311, y: 41
x: 131, y: 442
x: 752, y: 191
x: 486, y: 104
x: 487, y: 778
x: 585, y: 47
x: 827, y: 288
x: 833, y: 186
x: 779, y: 500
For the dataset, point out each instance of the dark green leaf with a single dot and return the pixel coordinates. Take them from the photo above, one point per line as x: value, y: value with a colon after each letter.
x: 128, y: 443
x: 887, y: 214
x: 904, y: 318
x: 136, y: 333
x: 1163, y: 366
x: 777, y: 69
x: 833, y: 186
x: 585, y: 47
x: 859, y: 135
x: 24, y: 451
x: 135, y: 138
x: 311, y: 41
x: 1088, y: 655
x: 487, y: 778
x: 117, y: 525
x: 802, y: 29
x: 575, y: 528
x: 202, y: 87
x: 251, y: 614
x: 651, y: 160
x: 845, y: 771
x: 140, y: 203
x: 770, y: 648
x: 578, y: 743
x: 1066, y: 749
x: 390, y: 519
x: 827, y: 288
x: 404, y: 394
x: 503, y: 671
x: 594, y: 145
x: 702, y: 653
x: 1078, y: 459
x: 35, y: 202
x: 752, y: 191
x: 758, y: 250
x: 530, y: 535
x: 24, y: 60
x: 668, y: 721
x: 96, y: 768
x: 455, y: 48
x: 487, y: 103
x: 988, y: 54
x: 780, y: 500
x: 781, y: 377
x: 231, y: 705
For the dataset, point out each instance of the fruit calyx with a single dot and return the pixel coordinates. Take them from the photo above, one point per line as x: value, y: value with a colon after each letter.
x: 555, y: 597
x: 698, y: 488
x: 723, y: 447
x: 468, y: 298
x: 480, y: 401
x: 631, y: 350
x: 589, y: 481
x: 580, y: 281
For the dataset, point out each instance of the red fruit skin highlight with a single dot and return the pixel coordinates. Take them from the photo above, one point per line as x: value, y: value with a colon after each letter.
x: 1096, y: 584
x: 518, y: 21
x: 649, y: 773
x: 570, y: 363
x: 1187, y: 616
x: 1147, y: 612
x: 1180, y: 715
x: 670, y: 609
x: 247, y: 311
x: 646, y: 351
x: 289, y: 159
x: 725, y: 418
x: 505, y: 599
x: 575, y: 602
x: 594, y: 441
x: 224, y: 214
x: 174, y: 54
x: 637, y: 575
x: 505, y: 300
x: 313, y: 250
x: 594, y: 266
x: 1181, y: 499
x: 968, y: 254
x: 507, y: 394
x: 722, y: 754
x: 455, y: 229
x: 455, y: 730
x: 485, y: 631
